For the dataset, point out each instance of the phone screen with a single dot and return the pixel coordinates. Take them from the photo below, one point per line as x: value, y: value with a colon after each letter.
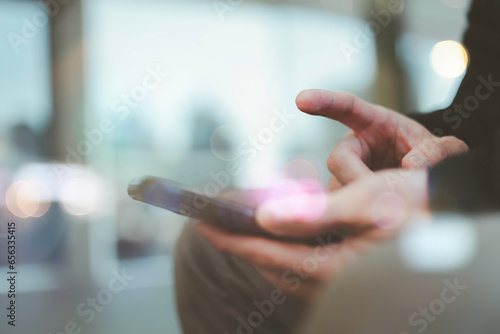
x: 177, y: 198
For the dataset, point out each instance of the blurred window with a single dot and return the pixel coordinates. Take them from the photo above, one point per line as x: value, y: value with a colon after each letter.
x: 26, y: 110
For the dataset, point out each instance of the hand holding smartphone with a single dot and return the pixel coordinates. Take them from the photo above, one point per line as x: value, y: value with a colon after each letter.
x: 224, y: 213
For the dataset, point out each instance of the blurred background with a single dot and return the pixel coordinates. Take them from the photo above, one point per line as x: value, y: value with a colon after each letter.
x: 96, y: 93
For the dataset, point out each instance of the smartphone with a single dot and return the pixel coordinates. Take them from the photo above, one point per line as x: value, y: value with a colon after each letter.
x: 224, y: 213
x: 177, y: 198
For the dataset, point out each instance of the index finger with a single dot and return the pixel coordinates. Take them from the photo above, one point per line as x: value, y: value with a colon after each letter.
x: 340, y: 106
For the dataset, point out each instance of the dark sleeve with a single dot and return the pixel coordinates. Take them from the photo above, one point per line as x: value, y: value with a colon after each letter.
x: 468, y: 183
x: 471, y: 182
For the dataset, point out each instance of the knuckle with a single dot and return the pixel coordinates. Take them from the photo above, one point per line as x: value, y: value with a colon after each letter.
x: 336, y: 161
x: 330, y: 162
x: 407, y: 158
x: 350, y: 97
x: 434, y: 149
x: 353, y: 101
x: 427, y: 144
x: 440, y: 150
x: 334, y: 184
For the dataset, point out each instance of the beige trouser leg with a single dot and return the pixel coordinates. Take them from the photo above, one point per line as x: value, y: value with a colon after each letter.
x: 386, y: 292
x: 218, y: 293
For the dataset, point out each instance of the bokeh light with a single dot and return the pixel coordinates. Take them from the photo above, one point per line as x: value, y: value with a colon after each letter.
x: 448, y: 244
x: 449, y: 59
x: 11, y: 200
x: 79, y: 196
x: 26, y: 199
x: 33, y: 198
x: 303, y: 200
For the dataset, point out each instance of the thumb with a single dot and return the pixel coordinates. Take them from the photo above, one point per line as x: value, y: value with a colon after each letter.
x: 432, y: 151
